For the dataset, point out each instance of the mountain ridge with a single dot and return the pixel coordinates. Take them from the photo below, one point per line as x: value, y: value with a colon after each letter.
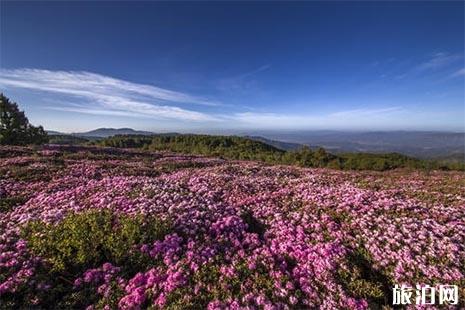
x: 420, y: 144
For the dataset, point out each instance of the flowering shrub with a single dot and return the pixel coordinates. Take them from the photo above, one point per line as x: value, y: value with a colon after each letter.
x: 136, y: 230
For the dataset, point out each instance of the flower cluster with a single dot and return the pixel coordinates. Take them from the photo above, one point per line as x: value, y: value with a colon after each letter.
x: 244, y: 235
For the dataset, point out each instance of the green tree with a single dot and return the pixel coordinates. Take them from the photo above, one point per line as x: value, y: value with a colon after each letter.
x: 15, y: 127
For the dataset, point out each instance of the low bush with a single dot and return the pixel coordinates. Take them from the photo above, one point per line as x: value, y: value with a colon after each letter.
x: 89, y: 239
x: 79, y: 243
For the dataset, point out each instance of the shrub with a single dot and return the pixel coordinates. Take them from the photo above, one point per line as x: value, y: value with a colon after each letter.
x: 83, y: 241
x: 86, y: 240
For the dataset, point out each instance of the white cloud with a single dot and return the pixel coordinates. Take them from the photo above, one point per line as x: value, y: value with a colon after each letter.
x: 243, y: 82
x: 460, y: 72
x: 365, y: 112
x: 437, y: 61
x: 107, y: 95
x: 358, y: 118
x: 91, y: 93
x: 253, y: 72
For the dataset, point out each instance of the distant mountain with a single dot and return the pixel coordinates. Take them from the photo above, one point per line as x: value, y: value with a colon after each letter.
x: 421, y: 144
x: 109, y: 132
x: 285, y: 146
x: 242, y: 148
x: 55, y: 133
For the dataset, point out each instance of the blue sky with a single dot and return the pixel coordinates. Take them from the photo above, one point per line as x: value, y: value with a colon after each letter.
x: 204, y: 66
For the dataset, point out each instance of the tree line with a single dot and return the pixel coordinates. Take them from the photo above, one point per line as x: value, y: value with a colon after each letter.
x: 15, y: 129
x: 240, y: 148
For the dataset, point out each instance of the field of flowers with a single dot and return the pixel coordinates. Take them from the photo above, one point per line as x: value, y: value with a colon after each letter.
x: 104, y: 228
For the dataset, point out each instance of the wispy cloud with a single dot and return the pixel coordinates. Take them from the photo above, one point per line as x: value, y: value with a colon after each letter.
x: 253, y: 72
x: 242, y: 82
x: 460, y: 72
x: 357, y: 118
x: 101, y: 94
x: 366, y: 112
x: 90, y: 93
x: 437, y: 61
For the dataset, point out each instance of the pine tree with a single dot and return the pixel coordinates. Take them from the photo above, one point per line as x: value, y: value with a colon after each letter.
x: 15, y: 128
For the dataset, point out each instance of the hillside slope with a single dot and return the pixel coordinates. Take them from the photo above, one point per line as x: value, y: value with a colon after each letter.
x: 129, y: 229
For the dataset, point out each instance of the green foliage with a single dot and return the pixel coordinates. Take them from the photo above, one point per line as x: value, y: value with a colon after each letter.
x: 86, y: 240
x: 361, y: 280
x: 15, y: 128
x: 66, y: 139
x: 380, y: 162
x: 231, y: 147
x: 79, y: 242
x: 305, y: 157
x: 229, y: 287
x: 8, y: 203
x: 239, y: 148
